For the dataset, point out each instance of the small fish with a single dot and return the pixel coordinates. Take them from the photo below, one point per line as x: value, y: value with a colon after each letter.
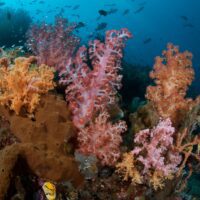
x: 184, y: 18
x: 13, y: 46
x: 76, y: 7
x: 146, y: 41
x: 126, y: 12
x: 80, y: 25
x: 101, y: 26
x: 103, y: 12
x: 49, y: 190
x: 139, y: 10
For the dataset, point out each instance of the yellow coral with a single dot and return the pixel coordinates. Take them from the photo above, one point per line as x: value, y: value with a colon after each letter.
x: 158, y: 178
x: 21, y: 86
x: 128, y: 169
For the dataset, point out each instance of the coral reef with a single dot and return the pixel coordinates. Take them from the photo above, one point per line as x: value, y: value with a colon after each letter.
x: 102, y: 139
x: 42, y: 142
x: 91, y: 90
x: 22, y: 85
x: 173, y: 73
x: 54, y: 45
x: 154, y: 151
x: 14, y: 24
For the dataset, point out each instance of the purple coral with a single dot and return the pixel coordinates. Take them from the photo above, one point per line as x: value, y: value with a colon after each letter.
x: 155, y: 149
x: 53, y: 45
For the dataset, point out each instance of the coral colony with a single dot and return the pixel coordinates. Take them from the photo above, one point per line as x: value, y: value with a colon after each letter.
x: 47, y: 129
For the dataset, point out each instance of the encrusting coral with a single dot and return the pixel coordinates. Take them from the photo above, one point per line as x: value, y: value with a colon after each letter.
x: 42, y: 141
x: 21, y: 84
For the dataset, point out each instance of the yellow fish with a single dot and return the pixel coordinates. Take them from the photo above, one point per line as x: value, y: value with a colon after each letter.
x: 49, y: 190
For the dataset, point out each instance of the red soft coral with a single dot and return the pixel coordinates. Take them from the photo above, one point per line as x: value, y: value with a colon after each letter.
x: 89, y: 90
x: 102, y: 139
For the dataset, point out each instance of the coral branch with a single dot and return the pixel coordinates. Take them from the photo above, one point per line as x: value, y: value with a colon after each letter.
x: 21, y: 85
x: 91, y: 90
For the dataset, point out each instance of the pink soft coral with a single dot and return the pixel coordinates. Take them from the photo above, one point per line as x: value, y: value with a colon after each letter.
x: 89, y: 90
x: 153, y: 157
x: 156, y: 144
x: 53, y: 45
x: 102, y: 139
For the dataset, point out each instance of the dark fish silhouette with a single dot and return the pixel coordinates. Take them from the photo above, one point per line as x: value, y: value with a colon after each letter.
x: 101, y: 26
x: 126, y: 12
x: 146, y: 41
x: 103, y: 12
x: 76, y: 7
x: 139, y: 10
x: 41, y: 2
x: 185, y: 18
x: 80, y: 25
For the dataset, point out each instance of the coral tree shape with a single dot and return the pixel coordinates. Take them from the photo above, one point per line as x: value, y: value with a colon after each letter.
x: 102, y: 139
x: 153, y: 158
x: 53, y: 45
x: 90, y: 90
x: 173, y: 73
x: 22, y: 84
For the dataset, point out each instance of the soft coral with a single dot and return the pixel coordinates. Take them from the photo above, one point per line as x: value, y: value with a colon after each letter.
x: 89, y: 90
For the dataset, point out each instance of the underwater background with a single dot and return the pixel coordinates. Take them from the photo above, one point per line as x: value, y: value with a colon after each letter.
x: 140, y: 102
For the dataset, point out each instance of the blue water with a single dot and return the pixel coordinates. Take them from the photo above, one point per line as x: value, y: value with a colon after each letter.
x: 159, y: 20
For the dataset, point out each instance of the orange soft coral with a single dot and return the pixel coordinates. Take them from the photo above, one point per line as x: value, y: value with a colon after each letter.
x: 173, y: 73
x: 21, y: 85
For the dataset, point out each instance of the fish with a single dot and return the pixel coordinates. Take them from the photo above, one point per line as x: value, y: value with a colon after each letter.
x: 80, y: 25
x: 76, y: 7
x: 101, y: 26
x: 185, y: 18
x: 139, y: 10
x: 147, y: 40
x: 103, y: 12
x: 126, y: 12
x: 49, y: 190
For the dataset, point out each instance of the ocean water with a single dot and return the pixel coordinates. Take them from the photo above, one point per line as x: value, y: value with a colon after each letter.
x: 153, y: 24
x: 162, y: 21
